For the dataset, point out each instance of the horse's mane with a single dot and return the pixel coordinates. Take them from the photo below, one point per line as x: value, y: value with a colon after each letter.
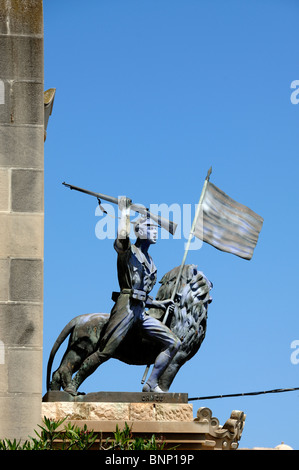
x: 168, y: 282
x: 189, y: 320
x: 169, y: 279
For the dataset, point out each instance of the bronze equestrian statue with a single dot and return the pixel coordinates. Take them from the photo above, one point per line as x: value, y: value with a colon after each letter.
x: 131, y: 333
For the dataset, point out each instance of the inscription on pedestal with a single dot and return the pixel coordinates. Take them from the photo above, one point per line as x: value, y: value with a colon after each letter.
x: 156, y: 398
x: 119, y: 397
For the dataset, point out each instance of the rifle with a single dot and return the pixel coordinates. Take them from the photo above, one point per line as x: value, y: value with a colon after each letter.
x: 161, y: 221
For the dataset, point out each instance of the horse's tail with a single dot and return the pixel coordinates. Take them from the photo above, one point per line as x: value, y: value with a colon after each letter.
x: 63, y: 335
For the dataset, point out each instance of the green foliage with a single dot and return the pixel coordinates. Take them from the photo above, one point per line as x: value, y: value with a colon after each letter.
x: 123, y: 440
x: 52, y: 436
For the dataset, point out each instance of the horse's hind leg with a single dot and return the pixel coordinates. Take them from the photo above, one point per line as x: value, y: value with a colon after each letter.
x: 68, y: 366
x: 59, y: 378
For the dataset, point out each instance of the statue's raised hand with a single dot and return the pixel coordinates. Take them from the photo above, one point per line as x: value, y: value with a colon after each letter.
x: 124, y: 203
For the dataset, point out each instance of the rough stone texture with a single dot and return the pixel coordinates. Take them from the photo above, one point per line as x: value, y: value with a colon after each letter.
x: 21, y: 216
x: 143, y: 412
x: 109, y: 411
x: 85, y: 411
x: 118, y: 411
x: 174, y: 413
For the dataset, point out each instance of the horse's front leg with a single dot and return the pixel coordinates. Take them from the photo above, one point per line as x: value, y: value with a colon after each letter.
x: 169, y: 374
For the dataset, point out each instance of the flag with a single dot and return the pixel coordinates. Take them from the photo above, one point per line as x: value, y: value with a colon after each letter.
x: 227, y: 224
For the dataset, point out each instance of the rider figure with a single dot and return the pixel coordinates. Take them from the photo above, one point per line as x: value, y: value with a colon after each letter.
x: 137, y: 276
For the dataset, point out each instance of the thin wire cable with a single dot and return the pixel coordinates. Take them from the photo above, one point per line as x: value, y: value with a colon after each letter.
x: 276, y: 390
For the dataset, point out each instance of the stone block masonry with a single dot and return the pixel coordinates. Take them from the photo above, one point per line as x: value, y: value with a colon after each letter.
x: 171, y: 422
x: 157, y: 412
x: 21, y: 215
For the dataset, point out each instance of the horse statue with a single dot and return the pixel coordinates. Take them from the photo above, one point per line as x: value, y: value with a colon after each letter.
x: 188, y: 322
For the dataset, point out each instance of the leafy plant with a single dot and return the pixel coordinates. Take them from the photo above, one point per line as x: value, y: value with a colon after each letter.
x: 71, y: 437
x: 76, y: 438
x: 123, y: 440
x: 48, y: 435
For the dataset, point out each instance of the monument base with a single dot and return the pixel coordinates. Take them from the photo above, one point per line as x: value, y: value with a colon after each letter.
x: 169, y: 416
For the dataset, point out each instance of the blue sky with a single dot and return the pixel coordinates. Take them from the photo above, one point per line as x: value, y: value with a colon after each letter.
x: 149, y: 95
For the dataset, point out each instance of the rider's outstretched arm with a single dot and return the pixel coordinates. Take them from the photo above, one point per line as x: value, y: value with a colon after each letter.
x: 123, y: 232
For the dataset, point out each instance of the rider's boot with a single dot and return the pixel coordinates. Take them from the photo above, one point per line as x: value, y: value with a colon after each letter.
x: 148, y: 388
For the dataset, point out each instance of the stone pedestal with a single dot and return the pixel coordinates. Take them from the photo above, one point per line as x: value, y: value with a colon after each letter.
x: 168, y: 416
x: 107, y: 406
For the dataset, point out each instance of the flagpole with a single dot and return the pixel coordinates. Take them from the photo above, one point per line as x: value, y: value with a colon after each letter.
x: 191, y: 234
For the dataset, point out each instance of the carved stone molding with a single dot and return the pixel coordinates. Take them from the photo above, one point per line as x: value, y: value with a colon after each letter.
x: 226, y: 436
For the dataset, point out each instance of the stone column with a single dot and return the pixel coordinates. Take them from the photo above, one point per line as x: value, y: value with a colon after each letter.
x: 21, y: 216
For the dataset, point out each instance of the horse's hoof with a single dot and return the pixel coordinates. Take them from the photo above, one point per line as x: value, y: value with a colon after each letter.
x: 72, y: 391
